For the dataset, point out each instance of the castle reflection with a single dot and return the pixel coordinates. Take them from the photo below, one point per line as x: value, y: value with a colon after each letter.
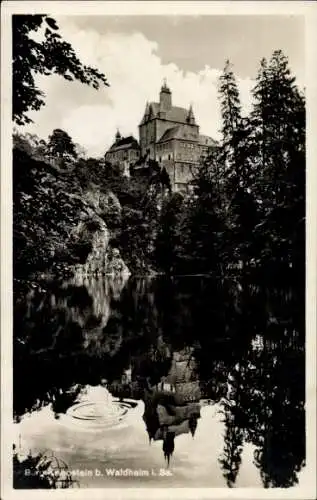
x: 175, y: 344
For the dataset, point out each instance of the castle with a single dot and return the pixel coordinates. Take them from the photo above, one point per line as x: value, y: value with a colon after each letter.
x: 124, y: 152
x: 168, y: 134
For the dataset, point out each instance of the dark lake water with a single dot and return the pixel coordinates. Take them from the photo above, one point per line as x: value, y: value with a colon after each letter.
x: 184, y: 381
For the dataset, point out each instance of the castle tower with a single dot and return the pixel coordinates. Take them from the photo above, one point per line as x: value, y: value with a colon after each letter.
x: 118, y: 135
x: 165, y: 97
x: 190, y: 116
x: 146, y: 113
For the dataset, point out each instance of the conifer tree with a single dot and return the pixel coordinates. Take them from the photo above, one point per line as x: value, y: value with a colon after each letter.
x: 169, y: 237
x: 231, y: 120
x: 205, y: 223
x: 234, y: 155
x: 278, y: 119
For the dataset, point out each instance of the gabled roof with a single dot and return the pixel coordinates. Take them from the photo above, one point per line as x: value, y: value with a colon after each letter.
x: 170, y: 133
x: 205, y: 140
x: 179, y: 132
x: 125, y: 143
x: 175, y: 114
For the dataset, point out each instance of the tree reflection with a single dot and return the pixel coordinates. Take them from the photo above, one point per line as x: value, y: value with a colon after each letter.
x: 233, y: 443
x: 234, y: 421
x: 265, y: 396
x: 279, y: 426
x: 172, y: 342
x: 57, y: 332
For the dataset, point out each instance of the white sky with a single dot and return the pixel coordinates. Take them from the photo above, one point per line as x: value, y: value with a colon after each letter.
x: 137, y: 53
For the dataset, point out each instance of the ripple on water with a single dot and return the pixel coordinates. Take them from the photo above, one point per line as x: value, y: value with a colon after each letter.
x: 106, y: 414
x: 96, y: 409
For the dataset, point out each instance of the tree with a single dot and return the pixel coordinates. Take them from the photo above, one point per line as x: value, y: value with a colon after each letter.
x: 33, y: 145
x: 52, y: 55
x: 278, y: 120
x: 61, y: 145
x: 169, y: 236
x: 240, y: 206
x: 80, y: 151
x: 231, y: 123
x: 205, y: 223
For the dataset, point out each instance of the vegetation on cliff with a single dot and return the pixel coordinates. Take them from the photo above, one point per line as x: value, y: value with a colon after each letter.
x: 246, y: 209
x: 243, y: 224
x: 60, y: 201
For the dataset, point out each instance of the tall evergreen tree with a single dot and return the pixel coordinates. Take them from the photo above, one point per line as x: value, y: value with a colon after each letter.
x: 205, y: 223
x: 231, y: 124
x: 234, y: 155
x: 279, y: 153
x: 169, y: 237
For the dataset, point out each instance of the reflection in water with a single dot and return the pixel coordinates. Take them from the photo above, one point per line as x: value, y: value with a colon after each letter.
x: 169, y: 413
x: 234, y: 428
x: 176, y: 344
x: 95, y: 408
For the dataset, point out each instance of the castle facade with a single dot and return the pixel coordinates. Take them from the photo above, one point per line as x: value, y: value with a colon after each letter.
x: 170, y: 135
x: 124, y: 152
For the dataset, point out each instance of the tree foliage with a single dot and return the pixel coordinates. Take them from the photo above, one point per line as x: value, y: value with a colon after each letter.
x: 243, y: 224
x: 43, y: 232
x: 61, y: 145
x: 247, y: 208
x: 279, y: 152
x: 51, y: 55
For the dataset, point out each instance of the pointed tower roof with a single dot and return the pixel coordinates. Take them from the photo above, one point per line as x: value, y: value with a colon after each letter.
x: 190, y: 115
x: 118, y: 135
x: 146, y: 113
x: 165, y: 88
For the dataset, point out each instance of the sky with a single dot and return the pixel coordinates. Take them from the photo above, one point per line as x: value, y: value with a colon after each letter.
x: 136, y: 53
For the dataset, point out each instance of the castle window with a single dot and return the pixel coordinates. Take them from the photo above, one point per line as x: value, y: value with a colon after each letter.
x: 160, y: 158
x: 169, y: 156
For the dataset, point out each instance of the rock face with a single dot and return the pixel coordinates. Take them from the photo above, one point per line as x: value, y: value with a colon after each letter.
x: 115, y: 265
x: 96, y: 233
x: 59, y: 225
x: 102, y: 260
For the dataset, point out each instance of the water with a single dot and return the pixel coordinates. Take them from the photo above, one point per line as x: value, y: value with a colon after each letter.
x: 96, y: 408
x: 179, y: 382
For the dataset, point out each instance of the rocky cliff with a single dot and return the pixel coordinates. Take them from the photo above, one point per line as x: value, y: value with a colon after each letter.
x: 59, y: 226
x: 102, y: 259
